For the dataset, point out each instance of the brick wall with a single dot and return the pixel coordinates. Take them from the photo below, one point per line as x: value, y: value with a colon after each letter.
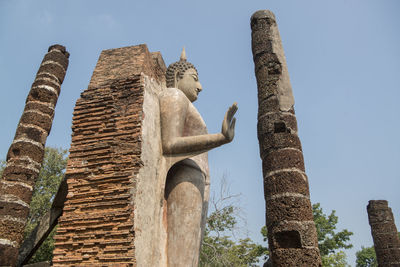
x: 97, y: 227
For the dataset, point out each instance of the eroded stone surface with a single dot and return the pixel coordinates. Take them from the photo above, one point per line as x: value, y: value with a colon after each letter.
x: 292, y: 234
x: 384, y: 233
x: 97, y: 226
x: 26, y: 153
x: 269, y: 58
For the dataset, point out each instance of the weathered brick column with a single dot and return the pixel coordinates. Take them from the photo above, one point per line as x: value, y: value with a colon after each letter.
x: 292, y: 234
x: 384, y: 233
x: 26, y: 153
x: 112, y: 213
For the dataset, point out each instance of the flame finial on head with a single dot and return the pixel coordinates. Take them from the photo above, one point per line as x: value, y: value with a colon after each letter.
x: 183, y: 55
x: 176, y: 70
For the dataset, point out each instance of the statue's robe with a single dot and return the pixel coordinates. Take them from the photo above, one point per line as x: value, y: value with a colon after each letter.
x: 187, y: 181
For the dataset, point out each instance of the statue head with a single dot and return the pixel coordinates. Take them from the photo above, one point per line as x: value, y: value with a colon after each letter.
x: 183, y: 75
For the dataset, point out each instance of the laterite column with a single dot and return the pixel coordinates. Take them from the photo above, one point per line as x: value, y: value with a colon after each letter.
x: 292, y: 234
x: 26, y: 152
x: 384, y: 233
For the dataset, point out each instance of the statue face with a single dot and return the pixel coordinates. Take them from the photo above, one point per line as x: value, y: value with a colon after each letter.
x: 190, y: 85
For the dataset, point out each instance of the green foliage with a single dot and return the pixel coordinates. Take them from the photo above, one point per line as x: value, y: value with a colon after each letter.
x: 366, y: 257
x: 2, y: 166
x: 220, y: 250
x: 46, y: 187
x: 221, y: 220
x: 337, y: 259
x: 50, y: 176
x: 264, y: 233
x: 45, y: 252
x: 218, y: 247
x: 328, y: 240
x: 223, y: 251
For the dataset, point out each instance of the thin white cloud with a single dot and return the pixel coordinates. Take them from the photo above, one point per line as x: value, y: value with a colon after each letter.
x: 104, y: 20
x: 45, y: 17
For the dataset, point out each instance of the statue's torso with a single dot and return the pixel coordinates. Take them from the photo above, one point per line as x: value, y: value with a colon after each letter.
x: 193, y: 125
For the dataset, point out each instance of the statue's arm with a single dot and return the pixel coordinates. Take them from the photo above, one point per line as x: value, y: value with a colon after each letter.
x: 193, y: 145
x: 173, y: 116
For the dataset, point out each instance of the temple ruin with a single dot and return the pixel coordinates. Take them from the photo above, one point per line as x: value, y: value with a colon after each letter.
x: 136, y: 187
x: 138, y: 164
x: 384, y: 233
x: 129, y: 176
x: 292, y: 235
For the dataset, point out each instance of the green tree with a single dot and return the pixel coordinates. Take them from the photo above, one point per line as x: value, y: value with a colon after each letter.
x: 366, y: 257
x: 336, y: 259
x: 219, y: 248
x: 330, y: 242
x: 46, y: 187
x: 50, y: 176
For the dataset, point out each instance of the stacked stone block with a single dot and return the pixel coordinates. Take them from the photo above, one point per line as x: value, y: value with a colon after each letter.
x: 384, y: 233
x: 26, y: 152
x: 97, y: 227
x: 292, y: 234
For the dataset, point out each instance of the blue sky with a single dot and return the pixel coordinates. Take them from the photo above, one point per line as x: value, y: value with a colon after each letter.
x: 344, y: 63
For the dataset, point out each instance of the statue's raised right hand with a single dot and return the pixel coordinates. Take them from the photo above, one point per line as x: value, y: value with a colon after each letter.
x: 228, y: 125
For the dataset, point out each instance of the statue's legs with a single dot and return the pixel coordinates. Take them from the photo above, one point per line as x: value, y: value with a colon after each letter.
x: 184, y: 194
